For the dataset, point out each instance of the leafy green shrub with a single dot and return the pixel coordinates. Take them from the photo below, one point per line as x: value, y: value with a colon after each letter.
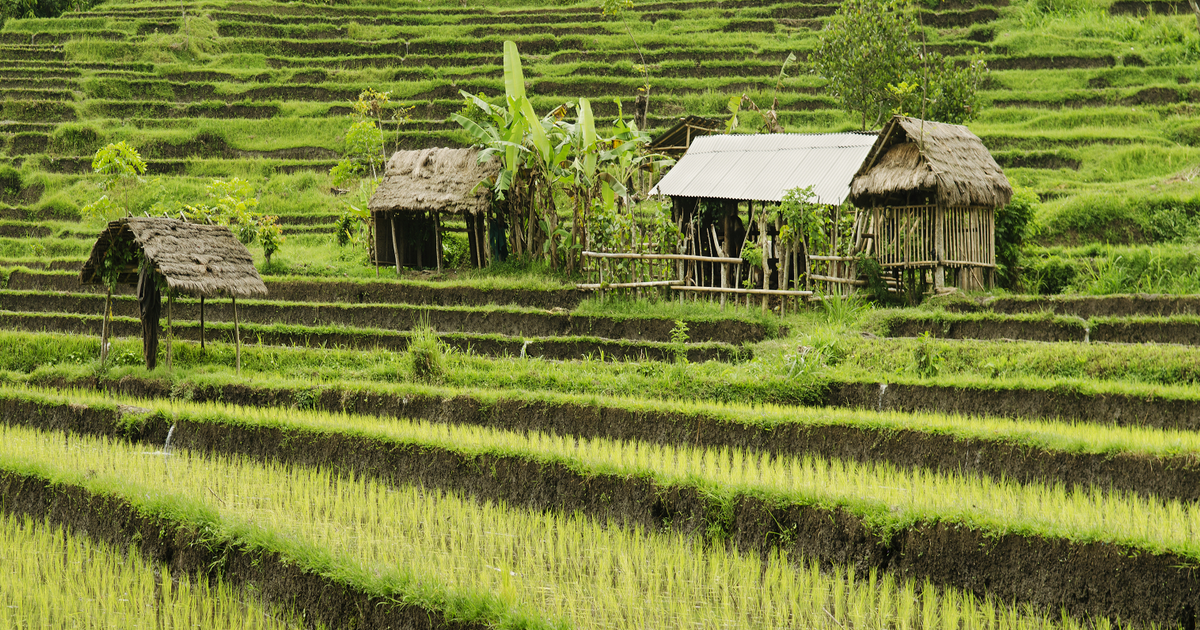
x: 1013, y: 226
x: 1051, y: 275
x: 927, y: 356
x: 456, y: 251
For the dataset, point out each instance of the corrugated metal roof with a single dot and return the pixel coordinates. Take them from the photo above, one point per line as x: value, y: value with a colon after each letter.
x: 764, y: 167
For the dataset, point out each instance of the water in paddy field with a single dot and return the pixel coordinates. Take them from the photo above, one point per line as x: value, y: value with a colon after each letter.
x: 878, y: 401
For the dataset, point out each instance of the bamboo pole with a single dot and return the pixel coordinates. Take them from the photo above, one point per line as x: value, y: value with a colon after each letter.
x: 237, y: 336
x: 397, y: 253
x: 201, y: 322
x: 747, y: 292
x: 170, y: 327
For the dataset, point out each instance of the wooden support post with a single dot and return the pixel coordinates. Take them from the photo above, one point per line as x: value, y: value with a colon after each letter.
x: 237, y: 336
x: 201, y: 322
x: 170, y: 327
x: 397, y: 253
x: 939, y: 247
x: 437, y: 239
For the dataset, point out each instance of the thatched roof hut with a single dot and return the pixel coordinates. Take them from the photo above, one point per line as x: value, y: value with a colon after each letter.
x: 941, y: 160
x: 434, y: 180
x: 198, y: 260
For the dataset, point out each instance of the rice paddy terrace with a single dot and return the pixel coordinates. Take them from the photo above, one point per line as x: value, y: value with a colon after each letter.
x: 547, y: 460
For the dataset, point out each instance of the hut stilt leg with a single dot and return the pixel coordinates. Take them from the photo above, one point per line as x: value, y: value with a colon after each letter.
x: 170, y: 328
x: 201, y: 322
x: 237, y: 337
x: 396, y: 253
x: 939, y: 244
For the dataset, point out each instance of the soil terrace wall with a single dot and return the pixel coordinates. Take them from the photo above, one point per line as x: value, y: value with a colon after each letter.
x: 561, y: 349
x: 402, y: 317
x: 187, y: 549
x: 1093, y: 579
x: 1090, y: 306
x: 1138, y: 330
x: 383, y: 292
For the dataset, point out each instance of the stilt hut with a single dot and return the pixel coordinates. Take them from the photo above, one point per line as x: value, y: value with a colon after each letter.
x: 418, y: 190
x: 723, y: 178
x: 932, y: 190
x: 156, y: 253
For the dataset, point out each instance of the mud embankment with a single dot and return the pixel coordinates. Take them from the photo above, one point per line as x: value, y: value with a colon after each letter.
x: 559, y: 349
x: 332, y: 291
x: 488, y: 321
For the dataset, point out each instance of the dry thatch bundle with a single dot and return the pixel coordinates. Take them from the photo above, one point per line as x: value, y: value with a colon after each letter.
x: 199, y: 260
x: 912, y: 155
x: 440, y: 180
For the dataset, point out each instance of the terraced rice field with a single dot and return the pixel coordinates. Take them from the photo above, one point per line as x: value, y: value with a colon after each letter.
x: 982, y: 462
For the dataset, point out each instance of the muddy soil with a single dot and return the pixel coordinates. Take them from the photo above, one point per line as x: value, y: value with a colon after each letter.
x: 1095, y: 579
x: 990, y: 329
x: 1133, y: 305
x: 402, y: 317
x: 381, y: 292
x: 559, y: 349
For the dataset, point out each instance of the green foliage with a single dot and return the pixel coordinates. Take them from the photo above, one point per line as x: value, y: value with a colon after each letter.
x: 804, y: 219
x: 364, y: 147
x: 1050, y: 275
x: 927, y: 356
x: 679, y: 338
x: 1014, y: 224
x: 103, y: 208
x: 234, y: 203
x: 873, y: 61
x: 121, y: 166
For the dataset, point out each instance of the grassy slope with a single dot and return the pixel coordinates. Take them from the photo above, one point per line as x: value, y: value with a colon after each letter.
x: 1107, y: 97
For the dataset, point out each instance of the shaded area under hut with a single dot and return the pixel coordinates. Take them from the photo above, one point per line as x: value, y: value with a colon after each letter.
x: 931, y: 190
x: 418, y: 189
x: 160, y: 254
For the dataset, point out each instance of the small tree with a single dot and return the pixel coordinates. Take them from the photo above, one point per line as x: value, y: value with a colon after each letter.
x: 234, y: 203
x: 875, y: 66
x: 121, y: 166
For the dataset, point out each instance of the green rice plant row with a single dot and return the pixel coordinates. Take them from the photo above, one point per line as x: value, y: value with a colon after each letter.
x: 482, y: 562
x: 52, y: 578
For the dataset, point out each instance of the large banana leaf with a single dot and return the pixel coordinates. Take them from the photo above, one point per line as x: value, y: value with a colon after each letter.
x: 587, y: 127
x: 537, y: 133
x: 480, y: 134
x: 514, y: 78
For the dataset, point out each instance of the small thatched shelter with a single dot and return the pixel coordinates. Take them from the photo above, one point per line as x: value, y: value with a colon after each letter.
x: 420, y: 186
x: 199, y: 260
x: 932, y: 190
